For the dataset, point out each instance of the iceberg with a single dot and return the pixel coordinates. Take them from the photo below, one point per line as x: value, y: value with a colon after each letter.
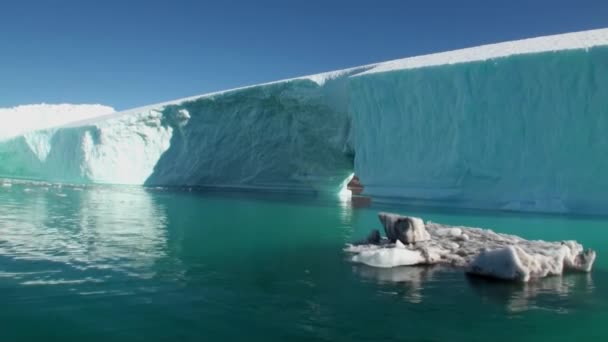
x: 479, y: 251
x: 283, y: 136
x: 512, y: 126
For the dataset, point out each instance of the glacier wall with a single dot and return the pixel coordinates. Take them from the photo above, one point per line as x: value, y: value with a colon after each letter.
x: 121, y: 150
x: 292, y: 135
x: 282, y: 136
x: 514, y: 126
x: 525, y: 132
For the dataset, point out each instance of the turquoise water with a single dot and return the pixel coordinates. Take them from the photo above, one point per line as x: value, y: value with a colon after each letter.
x: 133, y: 264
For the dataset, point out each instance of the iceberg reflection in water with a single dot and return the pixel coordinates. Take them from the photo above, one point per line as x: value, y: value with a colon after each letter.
x: 412, y: 278
x: 551, y: 293
x: 542, y: 294
x: 81, y: 236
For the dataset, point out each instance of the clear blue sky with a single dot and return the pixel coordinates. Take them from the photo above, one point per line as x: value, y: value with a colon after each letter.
x: 133, y: 52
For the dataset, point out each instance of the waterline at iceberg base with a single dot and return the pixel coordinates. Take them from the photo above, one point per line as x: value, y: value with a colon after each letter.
x: 512, y: 126
x: 411, y: 242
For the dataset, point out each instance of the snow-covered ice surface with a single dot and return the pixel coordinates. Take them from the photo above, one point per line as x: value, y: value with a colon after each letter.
x: 27, y: 118
x: 515, y: 126
x: 480, y: 251
x: 567, y: 41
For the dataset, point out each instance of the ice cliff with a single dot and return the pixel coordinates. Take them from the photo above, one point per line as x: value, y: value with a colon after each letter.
x: 281, y: 136
x: 517, y: 126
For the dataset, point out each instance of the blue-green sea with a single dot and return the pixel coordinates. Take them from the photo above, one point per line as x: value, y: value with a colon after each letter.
x: 109, y: 263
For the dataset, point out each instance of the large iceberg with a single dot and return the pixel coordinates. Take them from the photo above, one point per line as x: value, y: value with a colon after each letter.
x: 516, y: 126
x: 291, y: 135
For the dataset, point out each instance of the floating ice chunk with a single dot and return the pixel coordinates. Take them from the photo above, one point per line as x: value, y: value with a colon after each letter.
x: 389, y: 257
x: 501, y: 263
x: 577, y: 259
x: 481, y: 251
x: 355, y: 249
x: 514, y: 263
x: 406, y: 229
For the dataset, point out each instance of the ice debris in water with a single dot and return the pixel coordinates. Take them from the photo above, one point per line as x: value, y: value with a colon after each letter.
x: 403, y: 228
x: 480, y: 252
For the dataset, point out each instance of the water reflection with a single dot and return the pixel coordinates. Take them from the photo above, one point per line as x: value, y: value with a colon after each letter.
x: 556, y: 294
x: 346, y: 210
x: 73, y: 236
x: 552, y: 293
x: 412, y: 279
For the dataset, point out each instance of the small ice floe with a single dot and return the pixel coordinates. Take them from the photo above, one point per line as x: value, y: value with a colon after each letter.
x: 399, y: 255
x: 480, y: 252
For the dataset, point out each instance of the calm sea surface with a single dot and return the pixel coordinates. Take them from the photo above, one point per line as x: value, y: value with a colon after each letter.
x: 133, y: 264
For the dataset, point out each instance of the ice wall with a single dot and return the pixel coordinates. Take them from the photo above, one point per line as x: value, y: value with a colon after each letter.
x: 525, y: 132
x: 517, y: 126
x: 292, y: 135
x: 121, y: 150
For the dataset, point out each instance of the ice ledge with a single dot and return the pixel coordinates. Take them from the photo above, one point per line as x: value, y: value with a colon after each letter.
x: 566, y: 41
x: 479, y: 251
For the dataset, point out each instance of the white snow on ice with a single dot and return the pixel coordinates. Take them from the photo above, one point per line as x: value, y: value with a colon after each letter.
x: 566, y: 41
x: 27, y: 118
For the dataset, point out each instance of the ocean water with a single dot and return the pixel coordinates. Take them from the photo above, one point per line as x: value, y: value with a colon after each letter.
x: 132, y: 264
